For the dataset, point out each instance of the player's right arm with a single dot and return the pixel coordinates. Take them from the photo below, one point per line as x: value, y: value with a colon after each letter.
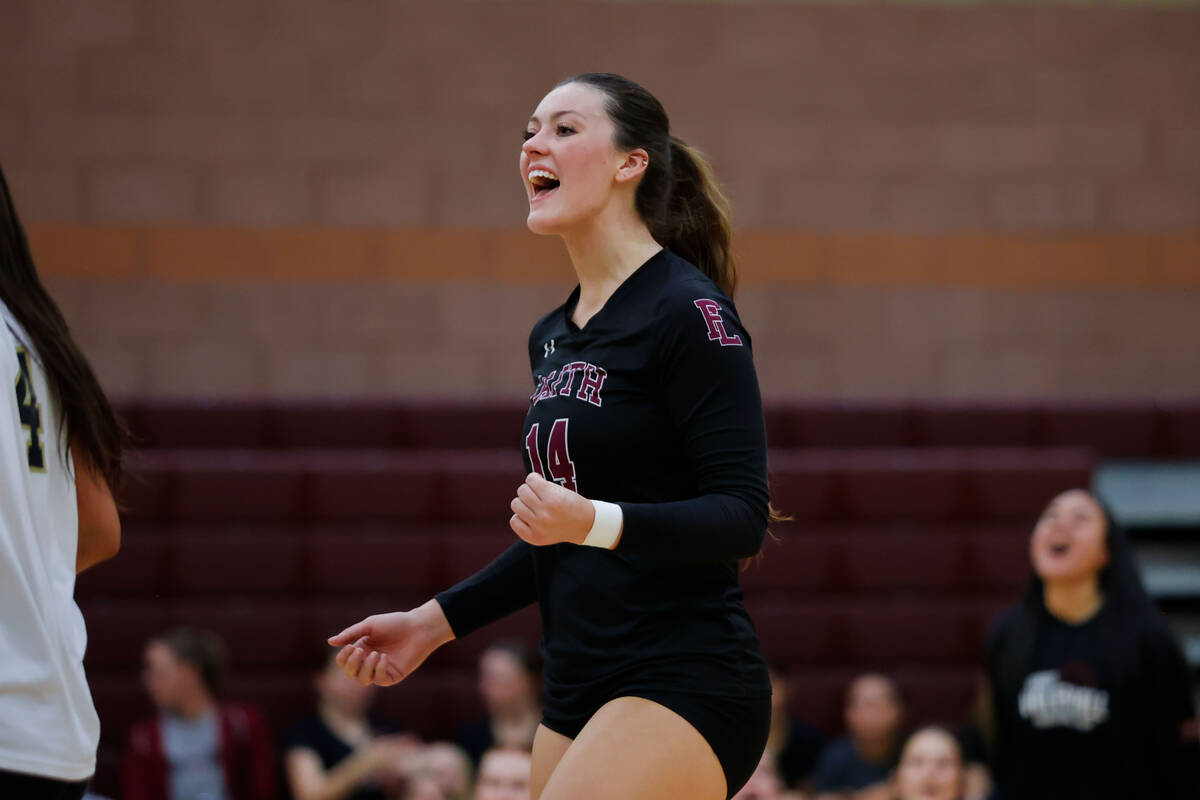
x: 99, y: 523
x: 386, y: 648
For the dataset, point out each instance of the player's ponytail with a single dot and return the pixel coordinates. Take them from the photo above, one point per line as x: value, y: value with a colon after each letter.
x: 677, y: 197
x: 87, y: 417
x: 696, y: 223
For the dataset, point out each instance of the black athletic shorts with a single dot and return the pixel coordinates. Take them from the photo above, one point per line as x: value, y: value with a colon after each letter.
x: 735, y: 727
x: 33, y: 787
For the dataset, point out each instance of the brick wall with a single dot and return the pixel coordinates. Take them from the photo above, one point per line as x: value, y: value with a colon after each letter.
x: 1037, y: 127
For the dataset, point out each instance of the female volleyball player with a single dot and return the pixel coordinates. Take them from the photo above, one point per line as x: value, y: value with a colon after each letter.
x: 646, y: 453
x: 57, y: 518
x: 1090, y: 689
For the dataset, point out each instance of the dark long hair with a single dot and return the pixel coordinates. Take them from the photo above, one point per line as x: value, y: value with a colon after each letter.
x: 678, y: 197
x: 86, y: 415
x: 1127, y: 613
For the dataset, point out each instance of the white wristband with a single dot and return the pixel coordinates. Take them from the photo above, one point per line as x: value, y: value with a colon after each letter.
x: 606, y: 528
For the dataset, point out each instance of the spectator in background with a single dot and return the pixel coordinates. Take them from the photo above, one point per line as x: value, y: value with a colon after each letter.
x: 764, y: 784
x: 504, y: 775
x: 931, y: 767
x: 196, y: 747
x: 449, y: 767
x: 509, y: 686
x: 1090, y: 691
x: 343, y: 752
x: 859, y: 764
x: 793, y: 744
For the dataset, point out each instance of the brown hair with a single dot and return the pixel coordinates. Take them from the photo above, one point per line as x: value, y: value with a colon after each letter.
x: 203, y: 650
x: 678, y: 197
x: 86, y: 416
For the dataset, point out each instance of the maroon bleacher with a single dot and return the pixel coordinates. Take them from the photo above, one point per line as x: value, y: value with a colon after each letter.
x: 278, y: 524
x: 1164, y: 429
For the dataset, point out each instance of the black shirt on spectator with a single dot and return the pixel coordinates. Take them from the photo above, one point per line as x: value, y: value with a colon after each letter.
x: 313, y: 734
x: 842, y: 769
x: 798, y: 758
x: 1081, y: 727
x: 476, y: 738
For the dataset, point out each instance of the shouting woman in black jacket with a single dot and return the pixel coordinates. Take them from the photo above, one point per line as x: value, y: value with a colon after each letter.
x: 1089, y: 687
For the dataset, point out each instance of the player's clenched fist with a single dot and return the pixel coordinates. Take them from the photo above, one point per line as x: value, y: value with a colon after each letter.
x: 547, y: 513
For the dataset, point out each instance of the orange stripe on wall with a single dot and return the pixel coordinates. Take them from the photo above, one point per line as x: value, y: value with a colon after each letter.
x: 223, y: 254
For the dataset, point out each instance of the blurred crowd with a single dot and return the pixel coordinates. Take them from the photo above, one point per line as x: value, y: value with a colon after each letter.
x: 200, y: 746
x: 1084, y: 610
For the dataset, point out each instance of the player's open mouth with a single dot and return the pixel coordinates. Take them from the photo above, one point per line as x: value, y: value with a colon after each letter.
x: 543, y: 181
x: 1059, y: 550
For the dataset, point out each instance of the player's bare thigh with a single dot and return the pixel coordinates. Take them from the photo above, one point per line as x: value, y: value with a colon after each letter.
x: 548, y: 749
x: 634, y: 749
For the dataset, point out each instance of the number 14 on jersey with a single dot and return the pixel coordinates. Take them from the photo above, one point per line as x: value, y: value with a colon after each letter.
x: 558, y: 465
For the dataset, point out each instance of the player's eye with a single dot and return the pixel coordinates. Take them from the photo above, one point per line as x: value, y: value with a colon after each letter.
x: 565, y: 130
x: 527, y: 135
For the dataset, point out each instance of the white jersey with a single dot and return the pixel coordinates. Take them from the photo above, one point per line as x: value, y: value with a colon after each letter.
x: 48, y: 724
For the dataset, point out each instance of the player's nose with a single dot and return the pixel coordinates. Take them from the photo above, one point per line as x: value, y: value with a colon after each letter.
x: 535, y: 145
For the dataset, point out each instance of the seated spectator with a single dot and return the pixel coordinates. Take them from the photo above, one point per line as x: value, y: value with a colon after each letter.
x: 343, y: 752
x: 931, y: 767
x: 764, y: 784
x: 449, y: 767
x: 503, y: 775
x: 196, y: 747
x: 859, y: 764
x: 508, y: 682
x: 793, y: 743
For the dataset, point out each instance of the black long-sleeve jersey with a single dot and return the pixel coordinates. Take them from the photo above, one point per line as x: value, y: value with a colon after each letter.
x: 653, y: 405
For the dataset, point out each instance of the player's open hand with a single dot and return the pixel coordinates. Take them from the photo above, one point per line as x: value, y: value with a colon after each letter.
x: 384, y: 649
x: 547, y: 513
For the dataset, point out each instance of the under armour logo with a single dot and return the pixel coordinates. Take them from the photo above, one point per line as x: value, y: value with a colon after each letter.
x: 549, y: 348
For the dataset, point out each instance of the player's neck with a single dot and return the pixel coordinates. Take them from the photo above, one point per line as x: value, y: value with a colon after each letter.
x: 605, y: 252
x: 1074, y: 602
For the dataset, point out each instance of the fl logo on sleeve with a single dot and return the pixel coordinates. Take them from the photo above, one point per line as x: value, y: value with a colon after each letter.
x: 711, y: 311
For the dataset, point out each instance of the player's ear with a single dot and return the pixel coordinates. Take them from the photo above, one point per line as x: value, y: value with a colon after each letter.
x: 634, y: 164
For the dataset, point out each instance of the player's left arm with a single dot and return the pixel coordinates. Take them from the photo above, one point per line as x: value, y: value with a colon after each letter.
x: 710, y: 390
x: 99, y: 522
